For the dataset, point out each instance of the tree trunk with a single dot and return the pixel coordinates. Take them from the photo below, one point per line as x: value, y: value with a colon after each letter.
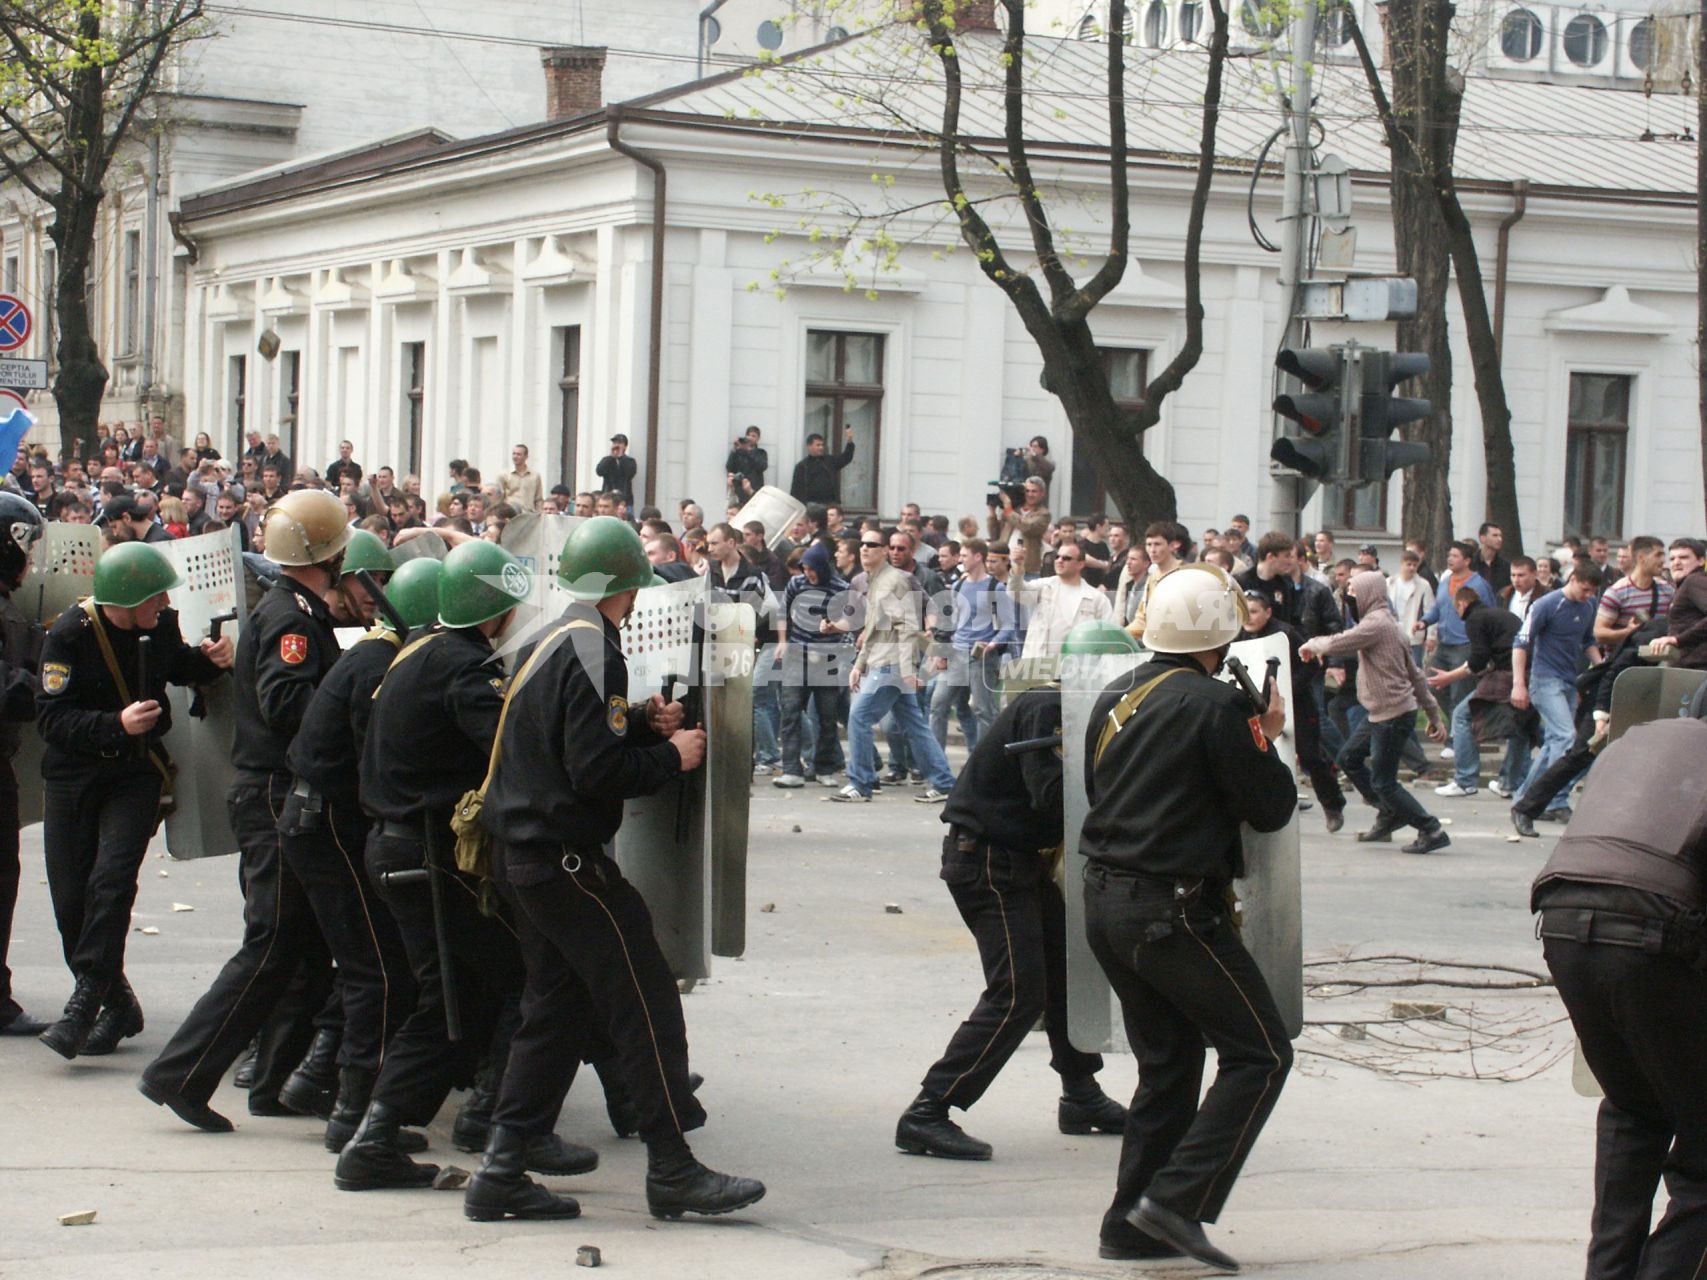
x: 1701, y: 235
x: 82, y: 380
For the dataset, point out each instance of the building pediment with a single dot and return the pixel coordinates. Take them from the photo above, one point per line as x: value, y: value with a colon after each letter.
x: 1616, y: 312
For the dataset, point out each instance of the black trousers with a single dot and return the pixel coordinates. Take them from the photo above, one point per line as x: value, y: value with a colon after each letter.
x: 1016, y: 913
x: 1642, y: 1020
x: 94, y: 836
x: 1307, y: 739
x: 376, y: 990
x: 1183, y: 976
x: 423, y: 1064
x: 598, y: 925
x: 560, y: 1028
x: 10, y: 874
x: 1561, y: 773
x: 279, y: 934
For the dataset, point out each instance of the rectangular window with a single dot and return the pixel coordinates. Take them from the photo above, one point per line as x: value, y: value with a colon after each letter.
x: 290, y: 398
x: 11, y: 274
x: 568, y: 343
x: 1597, y: 440
x: 131, y: 316
x: 844, y: 389
x: 236, y: 393
x: 414, y: 403
x: 1128, y: 374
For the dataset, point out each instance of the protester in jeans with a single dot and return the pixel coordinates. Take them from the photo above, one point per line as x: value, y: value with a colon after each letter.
x: 812, y: 669
x: 1491, y: 633
x: 1544, y: 659
x: 974, y: 618
x: 734, y: 577
x: 1054, y: 606
x: 1408, y: 593
x: 1390, y: 688
x: 885, y: 677
x: 1451, y: 646
x: 1634, y: 600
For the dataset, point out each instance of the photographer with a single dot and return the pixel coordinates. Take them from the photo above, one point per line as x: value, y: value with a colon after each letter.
x: 1021, y: 529
x: 745, y: 467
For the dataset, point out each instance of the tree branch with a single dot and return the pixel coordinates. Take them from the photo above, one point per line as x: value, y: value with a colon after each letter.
x: 1061, y: 285
x: 1120, y: 234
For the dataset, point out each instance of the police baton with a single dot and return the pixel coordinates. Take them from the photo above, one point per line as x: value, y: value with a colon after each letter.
x: 1241, y: 673
x: 1026, y: 745
x: 215, y: 628
x: 433, y: 873
x: 384, y: 606
x: 143, y: 644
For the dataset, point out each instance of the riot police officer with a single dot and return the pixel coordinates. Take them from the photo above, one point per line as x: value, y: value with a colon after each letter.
x: 998, y: 859
x: 428, y: 743
x: 1623, y: 905
x: 284, y: 652
x: 572, y: 750
x: 1175, y: 761
x: 103, y: 712
x: 324, y: 836
x: 20, y: 645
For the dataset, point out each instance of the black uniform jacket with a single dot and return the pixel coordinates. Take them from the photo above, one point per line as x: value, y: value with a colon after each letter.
x: 327, y: 751
x: 1174, y: 784
x: 434, y: 716
x: 285, y: 651
x: 20, y: 660
x: 573, y: 748
x: 1013, y: 801
x: 79, y: 704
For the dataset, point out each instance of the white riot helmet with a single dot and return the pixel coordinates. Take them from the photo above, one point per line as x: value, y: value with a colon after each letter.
x: 1193, y: 609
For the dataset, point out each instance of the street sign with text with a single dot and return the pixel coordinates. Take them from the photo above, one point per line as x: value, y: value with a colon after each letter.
x: 23, y: 375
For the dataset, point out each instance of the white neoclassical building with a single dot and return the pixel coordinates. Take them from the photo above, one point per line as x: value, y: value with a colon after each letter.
x: 435, y: 299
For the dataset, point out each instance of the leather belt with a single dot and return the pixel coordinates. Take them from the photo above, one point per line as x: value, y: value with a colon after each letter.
x: 401, y: 831
x: 1583, y: 924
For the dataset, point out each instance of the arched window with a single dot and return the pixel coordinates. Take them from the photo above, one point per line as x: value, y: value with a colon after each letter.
x: 1520, y: 35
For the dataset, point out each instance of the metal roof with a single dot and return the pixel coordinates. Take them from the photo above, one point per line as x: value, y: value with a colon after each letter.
x: 886, y: 80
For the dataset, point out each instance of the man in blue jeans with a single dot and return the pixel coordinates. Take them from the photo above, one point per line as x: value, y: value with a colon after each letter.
x: 885, y: 678
x: 1544, y: 659
x: 1488, y: 672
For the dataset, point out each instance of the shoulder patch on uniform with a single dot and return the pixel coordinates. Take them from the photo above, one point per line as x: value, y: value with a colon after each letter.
x: 1261, y: 738
x: 618, y: 716
x: 293, y: 649
x: 54, y: 677
x: 497, y: 682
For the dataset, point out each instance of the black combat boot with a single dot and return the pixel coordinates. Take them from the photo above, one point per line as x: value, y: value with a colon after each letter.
x: 313, y: 1087
x: 502, y: 1189
x: 473, y: 1127
x: 372, y: 1161
x: 355, y: 1088
x: 121, y: 1018
x: 244, y: 1076
x: 552, y: 1156
x: 67, y: 1036
x: 925, y: 1130
x: 676, y: 1183
x: 1085, y: 1108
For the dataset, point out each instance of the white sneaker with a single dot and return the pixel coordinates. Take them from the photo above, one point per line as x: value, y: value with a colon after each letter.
x: 930, y: 796
x: 1500, y: 789
x: 1446, y: 753
x: 849, y: 795
x: 1452, y: 791
x: 828, y: 780
x: 789, y: 780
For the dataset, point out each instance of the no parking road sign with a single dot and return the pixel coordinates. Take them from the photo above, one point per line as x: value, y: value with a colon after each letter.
x: 15, y: 323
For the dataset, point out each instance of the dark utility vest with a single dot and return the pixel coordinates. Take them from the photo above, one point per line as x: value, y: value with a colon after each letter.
x: 1642, y: 821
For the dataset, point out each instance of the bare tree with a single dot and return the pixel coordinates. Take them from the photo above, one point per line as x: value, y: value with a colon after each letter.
x: 979, y: 172
x: 73, y: 85
x: 1429, y: 227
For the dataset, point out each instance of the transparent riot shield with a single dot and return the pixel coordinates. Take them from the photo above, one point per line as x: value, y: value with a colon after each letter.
x: 775, y: 509
x: 727, y: 692
x: 1270, y: 893
x: 1651, y: 693
x: 537, y: 541
x: 211, y: 597
x: 61, y: 573
x: 422, y: 544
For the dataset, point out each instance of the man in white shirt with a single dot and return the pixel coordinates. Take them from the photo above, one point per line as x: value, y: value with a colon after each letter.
x: 1060, y: 603
x: 1525, y: 590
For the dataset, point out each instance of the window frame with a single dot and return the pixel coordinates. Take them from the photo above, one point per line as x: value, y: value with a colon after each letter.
x: 412, y: 380
x: 1576, y: 429
x: 237, y: 402
x: 566, y: 346
x: 840, y: 392
x: 130, y: 300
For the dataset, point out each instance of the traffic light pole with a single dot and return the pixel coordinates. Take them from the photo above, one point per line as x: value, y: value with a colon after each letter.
x: 1288, y: 493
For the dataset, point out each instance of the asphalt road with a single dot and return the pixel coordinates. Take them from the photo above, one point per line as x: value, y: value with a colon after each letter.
x: 811, y: 1045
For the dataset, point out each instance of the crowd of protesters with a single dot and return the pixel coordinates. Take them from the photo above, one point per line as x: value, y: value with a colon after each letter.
x: 910, y: 625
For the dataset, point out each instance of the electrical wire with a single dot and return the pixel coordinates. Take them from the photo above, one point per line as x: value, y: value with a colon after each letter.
x: 1263, y: 242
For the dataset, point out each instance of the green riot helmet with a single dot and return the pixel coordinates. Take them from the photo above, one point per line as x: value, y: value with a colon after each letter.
x: 132, y: 572
x: 477, y: 582
x: 414, y: 592
x: 1098, y: 636
x: 602, y: 558
x: 365, y: 550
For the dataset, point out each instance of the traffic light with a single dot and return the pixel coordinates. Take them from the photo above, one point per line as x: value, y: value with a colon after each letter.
x: 1383, y: 413
x: 1323, y: 410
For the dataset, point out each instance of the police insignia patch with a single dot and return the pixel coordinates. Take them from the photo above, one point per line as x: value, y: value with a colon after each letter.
x: 293, y: 649
x: 497, y: 683
x: 54, y: 677
x: 1257, y: 734
x: 618, y: 717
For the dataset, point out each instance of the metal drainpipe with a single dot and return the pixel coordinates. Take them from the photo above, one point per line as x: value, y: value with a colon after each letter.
x: 655, y: 340
x: 151, y: 276
x: 1520, y: 206
x: 705, y: 16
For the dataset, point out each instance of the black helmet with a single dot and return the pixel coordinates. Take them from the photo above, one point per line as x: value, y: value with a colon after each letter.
x: 20, y: 527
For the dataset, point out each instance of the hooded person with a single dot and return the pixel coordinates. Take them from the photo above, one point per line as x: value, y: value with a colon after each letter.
x: 1390, y: 688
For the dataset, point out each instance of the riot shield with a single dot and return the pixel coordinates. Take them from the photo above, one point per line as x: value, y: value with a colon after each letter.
x: 198, y: 825
x: 537, y: 541
x: 1641, y: 694
x: 1270, y: 892
x: 775, y: 509
x: 727, y: 693
x: 422, y: 544
x: 61, y: 573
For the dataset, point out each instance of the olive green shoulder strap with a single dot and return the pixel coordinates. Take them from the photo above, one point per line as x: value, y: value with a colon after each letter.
x: 1125, y: 709
x: 546, y: 645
